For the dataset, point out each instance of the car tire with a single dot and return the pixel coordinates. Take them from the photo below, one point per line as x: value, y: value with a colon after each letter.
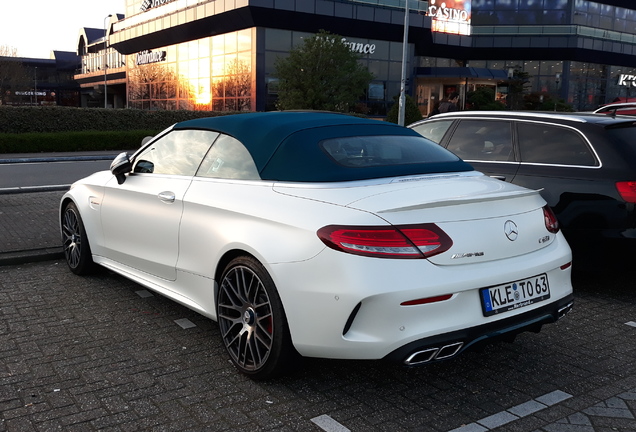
x: 252, y: 321
x: 77, y: 250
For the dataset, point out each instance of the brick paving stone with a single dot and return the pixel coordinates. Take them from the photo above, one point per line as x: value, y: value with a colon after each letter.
x: 29, y: 221
x: 90, y: 353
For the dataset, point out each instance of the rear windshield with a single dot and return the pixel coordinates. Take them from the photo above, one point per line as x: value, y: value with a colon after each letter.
x: 349, y: 152
x: 368, y: 151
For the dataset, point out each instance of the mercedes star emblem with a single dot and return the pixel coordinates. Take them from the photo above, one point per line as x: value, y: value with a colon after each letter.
x: 511, y: 230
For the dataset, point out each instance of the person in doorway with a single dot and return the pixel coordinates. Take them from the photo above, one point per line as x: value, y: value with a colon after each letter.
x: 450, y: 104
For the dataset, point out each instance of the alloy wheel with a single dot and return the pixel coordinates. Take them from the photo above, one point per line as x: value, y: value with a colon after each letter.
x: 72, y: 238
x: 245, y: 318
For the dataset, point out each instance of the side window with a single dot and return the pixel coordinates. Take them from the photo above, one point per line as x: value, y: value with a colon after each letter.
x: 433, y: 130
x: 228, y: 159
x: 541, y: 143
x: 483, y: 140
x: 178, y: 153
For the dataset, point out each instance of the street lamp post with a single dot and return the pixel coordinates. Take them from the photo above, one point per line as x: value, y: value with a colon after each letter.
x: 35, y: 85
x: 405, y: 40
x: 511, y: 74
x: 105, y: 65
x: 558, y: 81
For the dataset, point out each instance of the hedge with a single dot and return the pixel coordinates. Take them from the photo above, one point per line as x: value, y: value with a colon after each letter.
x: 72, y: 141
x: 65, y: 119
x: 65, y: 129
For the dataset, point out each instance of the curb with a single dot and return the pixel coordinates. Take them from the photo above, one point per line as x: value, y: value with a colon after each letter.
x: 31, y: 255
x: 31, y: 189
x: 55, y: 159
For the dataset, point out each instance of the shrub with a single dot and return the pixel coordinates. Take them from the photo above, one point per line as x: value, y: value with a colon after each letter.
x: 65, y: 129
x: 72, y: 141
x: 411, y: 111
x: 65, y: 119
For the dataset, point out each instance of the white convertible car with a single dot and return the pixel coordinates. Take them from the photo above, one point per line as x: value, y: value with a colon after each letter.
x: 323, y: 235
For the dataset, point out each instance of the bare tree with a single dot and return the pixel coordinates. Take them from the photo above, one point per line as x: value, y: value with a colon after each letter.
x: 13, y: 74
x: 156, y: 82
x: 235, y: 87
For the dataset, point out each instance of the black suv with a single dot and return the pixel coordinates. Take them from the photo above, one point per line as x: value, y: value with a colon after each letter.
x: 583, y: 163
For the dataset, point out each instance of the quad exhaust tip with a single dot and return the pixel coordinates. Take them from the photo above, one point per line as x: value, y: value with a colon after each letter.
x: 447, y: 351
x: 430, y: 354
x: 564, y: 310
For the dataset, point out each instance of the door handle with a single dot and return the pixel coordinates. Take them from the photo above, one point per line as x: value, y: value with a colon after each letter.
x: 167, y: 197
x: 499, y: 177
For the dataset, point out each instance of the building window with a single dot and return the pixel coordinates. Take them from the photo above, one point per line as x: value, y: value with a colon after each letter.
x: 214, y: 73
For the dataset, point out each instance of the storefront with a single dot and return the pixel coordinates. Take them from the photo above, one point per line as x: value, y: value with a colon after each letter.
x: 39, y: 82
x: 220, y: 54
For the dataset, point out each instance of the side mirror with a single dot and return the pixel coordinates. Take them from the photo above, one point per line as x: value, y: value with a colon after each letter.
x: 121, y: 166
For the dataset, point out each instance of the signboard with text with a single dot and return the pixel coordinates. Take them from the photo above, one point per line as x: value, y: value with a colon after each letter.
x: 149, y: 4
x: 450, y: 16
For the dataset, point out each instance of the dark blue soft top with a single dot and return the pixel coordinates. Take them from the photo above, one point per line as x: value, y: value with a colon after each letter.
x: 286, y: 146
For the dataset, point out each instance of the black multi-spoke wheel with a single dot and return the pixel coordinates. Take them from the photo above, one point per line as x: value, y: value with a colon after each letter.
x: 76, y: 248
x: 252, y: 320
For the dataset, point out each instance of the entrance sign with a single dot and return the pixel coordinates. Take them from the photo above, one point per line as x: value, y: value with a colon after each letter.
x: 450, y: 16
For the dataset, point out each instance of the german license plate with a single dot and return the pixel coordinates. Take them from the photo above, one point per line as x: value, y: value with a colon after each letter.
x: 514, y: 295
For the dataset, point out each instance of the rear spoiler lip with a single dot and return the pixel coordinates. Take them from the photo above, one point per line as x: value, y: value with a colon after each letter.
x: 465, y: 200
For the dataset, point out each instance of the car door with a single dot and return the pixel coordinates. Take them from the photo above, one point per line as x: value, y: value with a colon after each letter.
x: 486, y: 144
x: 141, y: 217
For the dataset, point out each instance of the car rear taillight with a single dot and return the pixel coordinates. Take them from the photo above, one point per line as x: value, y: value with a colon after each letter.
x: 627, y: 190
x: 405, y: 241
x: 551, y: 222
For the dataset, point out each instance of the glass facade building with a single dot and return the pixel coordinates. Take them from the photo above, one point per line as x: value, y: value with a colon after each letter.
x: 220, y: 54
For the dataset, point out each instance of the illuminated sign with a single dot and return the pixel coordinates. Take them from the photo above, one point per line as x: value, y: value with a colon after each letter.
x: 30, y: 93
x: 627, y: 80
x: 147, y: 57
x: 450, y: 16
x: 149, y: 4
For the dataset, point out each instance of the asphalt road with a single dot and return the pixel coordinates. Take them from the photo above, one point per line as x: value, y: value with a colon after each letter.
x: 46, y: 174
x: 102, y: 353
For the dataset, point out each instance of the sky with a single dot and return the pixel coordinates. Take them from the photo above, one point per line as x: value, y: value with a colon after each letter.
x: 37, y: 27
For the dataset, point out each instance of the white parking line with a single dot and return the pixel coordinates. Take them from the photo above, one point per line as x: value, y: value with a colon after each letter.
x: 631, y: 323
x: 515, y: 413
x: 328, y: 424
x: 185, y: 323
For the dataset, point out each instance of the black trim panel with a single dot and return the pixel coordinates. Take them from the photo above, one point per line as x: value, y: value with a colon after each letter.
x: 475, y: 337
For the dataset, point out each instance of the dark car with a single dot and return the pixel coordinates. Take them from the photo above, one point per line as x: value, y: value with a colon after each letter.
x: 584, y: 165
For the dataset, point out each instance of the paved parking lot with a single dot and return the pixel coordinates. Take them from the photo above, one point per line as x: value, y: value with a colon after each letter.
x: 102, y: 353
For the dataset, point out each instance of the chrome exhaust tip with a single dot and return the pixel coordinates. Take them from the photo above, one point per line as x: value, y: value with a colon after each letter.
x: 449, y: 350
x: 564, y: 310
x: 420, y: 357
x: 430, y: 354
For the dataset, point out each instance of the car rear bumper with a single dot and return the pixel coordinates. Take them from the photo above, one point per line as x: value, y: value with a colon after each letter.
x: 348, y: 307
x: 449, y: 345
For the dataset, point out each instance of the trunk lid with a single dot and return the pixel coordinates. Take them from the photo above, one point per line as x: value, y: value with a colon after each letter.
x: 486, y: 219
